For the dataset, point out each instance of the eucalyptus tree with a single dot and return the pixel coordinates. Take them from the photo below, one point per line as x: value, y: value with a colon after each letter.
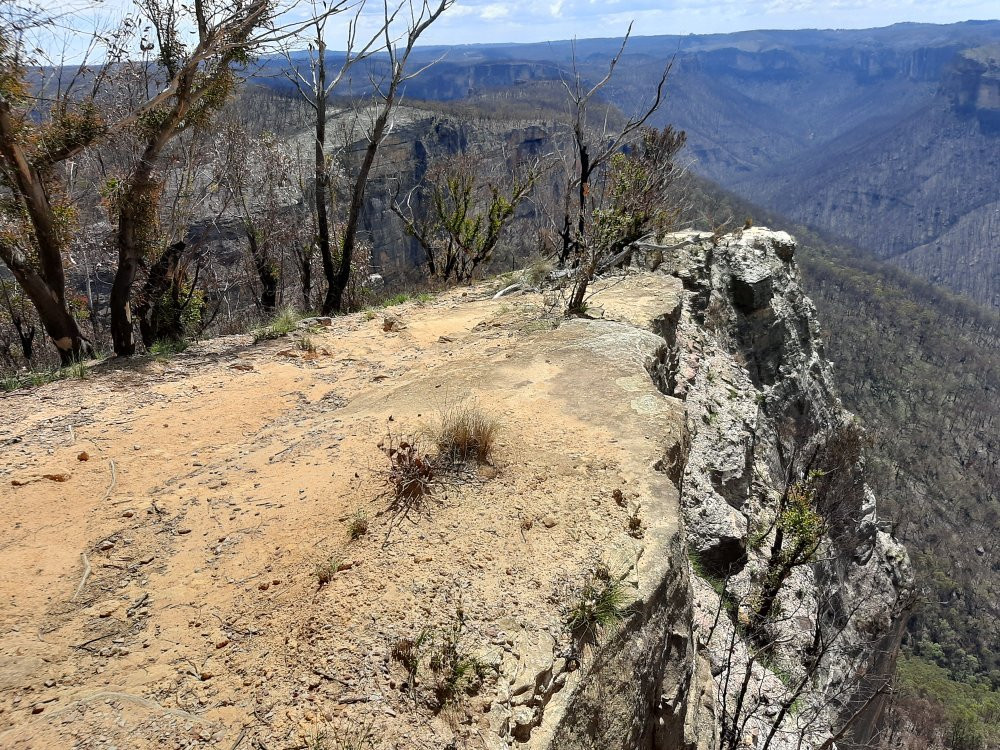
x: 194, y: 79
x: 611, y: 195
x: 165, y: 69
x: 46, y: 118
x: 459, y: 212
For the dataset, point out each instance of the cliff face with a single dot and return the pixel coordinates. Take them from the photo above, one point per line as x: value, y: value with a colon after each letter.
x: 740, y: 349
x: 973, y: 86
x: 419, y: 137
x: 763, y: 419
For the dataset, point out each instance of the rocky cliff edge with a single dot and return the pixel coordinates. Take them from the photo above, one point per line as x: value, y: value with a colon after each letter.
x: 221, y: 562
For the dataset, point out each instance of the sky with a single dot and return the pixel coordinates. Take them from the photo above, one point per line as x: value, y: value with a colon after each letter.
x: 485, y: 21
x: 478, y: 21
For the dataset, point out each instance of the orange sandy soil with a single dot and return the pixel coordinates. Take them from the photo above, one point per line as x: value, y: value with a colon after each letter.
x: 217, y: 481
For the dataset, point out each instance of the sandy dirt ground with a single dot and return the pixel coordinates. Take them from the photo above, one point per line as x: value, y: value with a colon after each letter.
x: 163, y: 523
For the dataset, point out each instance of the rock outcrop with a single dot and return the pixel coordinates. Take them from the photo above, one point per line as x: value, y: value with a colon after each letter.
x: 764, y: 422
x: 699, y: 665
x: 651, y: 451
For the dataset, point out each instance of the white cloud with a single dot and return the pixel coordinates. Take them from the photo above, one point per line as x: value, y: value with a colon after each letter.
x: 494, y: 11
x: 541, y: 20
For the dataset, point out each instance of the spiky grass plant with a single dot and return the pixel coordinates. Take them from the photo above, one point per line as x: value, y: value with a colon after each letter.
x: 466, y: 432
x: 284, y: 322
x: 600, y: 607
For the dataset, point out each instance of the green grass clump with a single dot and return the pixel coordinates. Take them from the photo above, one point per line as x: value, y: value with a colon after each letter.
x: 537, y: 272
x: 600, y: 606
x: 325, y: 571
x: 283, y: 323
x: 396, y: 299
x: 166, y: 347
x: 76, y: 370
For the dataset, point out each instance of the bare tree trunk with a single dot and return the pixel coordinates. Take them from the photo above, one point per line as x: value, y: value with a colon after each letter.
x: 25, y: 331
x: 122, y: 333
x: 137, y: 223
x: 165, y: 277
x: 26, y: 337
x: 46, y: 286
x: 266, y: 272
x: 59, y: 323
x: 334, y: 301
x: 305, y: 262
x: 322, y: 188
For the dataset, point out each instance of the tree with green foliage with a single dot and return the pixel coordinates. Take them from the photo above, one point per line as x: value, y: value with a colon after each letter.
x: 151, y: 86
x: 194, y: 80
x: 37, y: 217
x: 798, y: 532
x: 464, y: 209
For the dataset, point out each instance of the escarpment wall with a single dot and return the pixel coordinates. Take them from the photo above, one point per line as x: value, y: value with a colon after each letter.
x: 698, y: 667
x: 764, y: 420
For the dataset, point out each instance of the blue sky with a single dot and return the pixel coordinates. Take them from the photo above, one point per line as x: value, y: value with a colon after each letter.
x: 480, y: 21
x: 475, y: 21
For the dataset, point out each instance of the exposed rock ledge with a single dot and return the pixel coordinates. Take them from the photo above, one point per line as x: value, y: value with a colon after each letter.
x: 742, y: 350
x: 236, y: 473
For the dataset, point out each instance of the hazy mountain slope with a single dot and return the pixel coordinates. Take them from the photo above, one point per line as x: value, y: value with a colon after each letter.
x: 895, y: 148
x: 887, y: 137
x: 921, y: 191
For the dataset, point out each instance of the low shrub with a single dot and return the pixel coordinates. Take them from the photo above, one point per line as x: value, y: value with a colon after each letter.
x: 326, y: 571
x: 411, y: 471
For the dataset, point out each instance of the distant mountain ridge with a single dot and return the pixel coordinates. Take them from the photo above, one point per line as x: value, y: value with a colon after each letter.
x: 887, y: 137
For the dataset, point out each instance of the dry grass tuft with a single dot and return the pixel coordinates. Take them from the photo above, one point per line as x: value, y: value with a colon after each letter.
x: 326, y: 571
x: 357, y: 527
x: 467, y: 432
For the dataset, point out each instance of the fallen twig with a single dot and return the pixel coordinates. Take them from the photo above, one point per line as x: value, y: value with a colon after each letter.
x: 86, y: 575
x: 243, y: 733
x: 94, y: 640
x: 114, y: 481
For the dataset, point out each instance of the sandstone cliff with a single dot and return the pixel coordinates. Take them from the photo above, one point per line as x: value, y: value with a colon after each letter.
x: 174, y: 541
x: 763, y: 420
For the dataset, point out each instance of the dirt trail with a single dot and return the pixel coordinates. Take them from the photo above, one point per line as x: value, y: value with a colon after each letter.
x: 215, y: 483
